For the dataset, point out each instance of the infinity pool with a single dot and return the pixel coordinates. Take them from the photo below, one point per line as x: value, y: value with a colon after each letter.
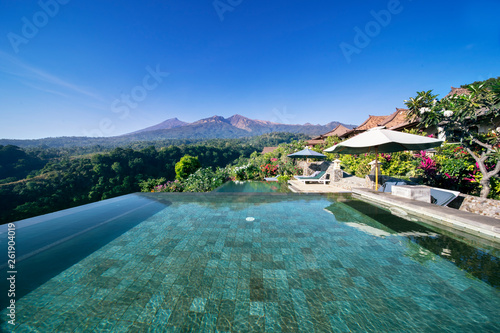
x: 259, y: 262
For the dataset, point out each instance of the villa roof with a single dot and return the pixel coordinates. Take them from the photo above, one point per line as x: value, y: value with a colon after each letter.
x: 458, y: 91
x: 404, y: 125
x: 314, y: 142
x: 268, y: 150
x: 338, y: 131
x: 371, y: 122
x: 395, y: 119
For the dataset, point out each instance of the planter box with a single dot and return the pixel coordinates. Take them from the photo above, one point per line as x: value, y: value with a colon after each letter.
x: 419, y: 193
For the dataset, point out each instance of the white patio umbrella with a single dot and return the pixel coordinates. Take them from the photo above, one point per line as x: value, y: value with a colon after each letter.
x: 379, y: 140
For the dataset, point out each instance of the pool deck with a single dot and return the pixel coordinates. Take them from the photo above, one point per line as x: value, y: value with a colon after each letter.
x: 345, y: 185
x: 300, y: 187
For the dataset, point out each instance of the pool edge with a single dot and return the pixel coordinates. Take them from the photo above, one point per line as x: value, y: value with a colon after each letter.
x: 471, y: 223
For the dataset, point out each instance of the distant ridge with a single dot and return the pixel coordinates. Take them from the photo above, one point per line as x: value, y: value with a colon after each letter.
x: 235, y: 126
x: 167, y: 124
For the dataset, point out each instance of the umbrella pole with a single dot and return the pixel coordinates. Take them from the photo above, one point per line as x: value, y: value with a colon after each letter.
x: 376, y: 168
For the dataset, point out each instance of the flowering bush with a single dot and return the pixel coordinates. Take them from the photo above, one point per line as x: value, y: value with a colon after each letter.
x: 387, y: 157
x: 427, y: 164
x: 245, y: 172
x: 150, y: 184
x: 269, y: 170
x: 454, y: 165
x: 170, y: 186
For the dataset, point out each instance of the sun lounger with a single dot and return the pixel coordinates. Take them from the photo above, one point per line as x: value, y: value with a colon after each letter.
x: 319, y: 177
x: 442, y: 197
x: 271, y: 179
x: 313, y: 175
x: 387, y: 187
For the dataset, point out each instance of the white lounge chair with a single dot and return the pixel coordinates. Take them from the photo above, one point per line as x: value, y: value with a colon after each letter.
x: 271, y: 179
x: 442, y: 197
x: 316, y: 177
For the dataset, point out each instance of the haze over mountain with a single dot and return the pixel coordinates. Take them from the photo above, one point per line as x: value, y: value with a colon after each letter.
x: 236, y: 126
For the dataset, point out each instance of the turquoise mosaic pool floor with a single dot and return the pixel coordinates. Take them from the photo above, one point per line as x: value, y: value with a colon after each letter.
x: 283, y: 266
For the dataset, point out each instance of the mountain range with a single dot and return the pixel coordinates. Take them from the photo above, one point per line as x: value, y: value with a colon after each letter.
x: 215, y: 127
x: 235, y: 126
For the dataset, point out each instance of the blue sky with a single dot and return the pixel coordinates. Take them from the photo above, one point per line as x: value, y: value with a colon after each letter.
x: 105, y: 68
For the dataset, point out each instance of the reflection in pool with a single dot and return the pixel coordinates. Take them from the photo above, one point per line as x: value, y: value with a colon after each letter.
x: 481, y: 260
x: 253, y: 186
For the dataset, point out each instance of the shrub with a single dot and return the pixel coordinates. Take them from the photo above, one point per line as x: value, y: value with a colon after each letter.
x: 357, y: 164
x: 363, y: 168
x: 400, y: 164
x: 205, y: 180
x: 186, y: 166
x: 284, y: 179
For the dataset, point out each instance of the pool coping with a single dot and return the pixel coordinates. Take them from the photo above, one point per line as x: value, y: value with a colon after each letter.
x: 471, y: 223
x: 299, y: 187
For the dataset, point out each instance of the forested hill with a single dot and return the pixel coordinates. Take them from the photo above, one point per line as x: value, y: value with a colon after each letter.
x: 36, y: 181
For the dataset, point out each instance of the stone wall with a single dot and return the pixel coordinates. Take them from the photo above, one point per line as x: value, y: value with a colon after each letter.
x: 309, y: 168
x: 477, y: 205
x: 336, y: 175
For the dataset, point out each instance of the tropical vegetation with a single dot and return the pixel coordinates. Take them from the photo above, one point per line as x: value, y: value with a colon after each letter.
x: 463, y: 119
x: 35, y: 181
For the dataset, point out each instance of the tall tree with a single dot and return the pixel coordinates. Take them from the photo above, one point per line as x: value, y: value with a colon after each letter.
x: 186, y: 166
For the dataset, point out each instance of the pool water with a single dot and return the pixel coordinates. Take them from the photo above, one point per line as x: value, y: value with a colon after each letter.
x: 258, y: 262
x: 253, y: 186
